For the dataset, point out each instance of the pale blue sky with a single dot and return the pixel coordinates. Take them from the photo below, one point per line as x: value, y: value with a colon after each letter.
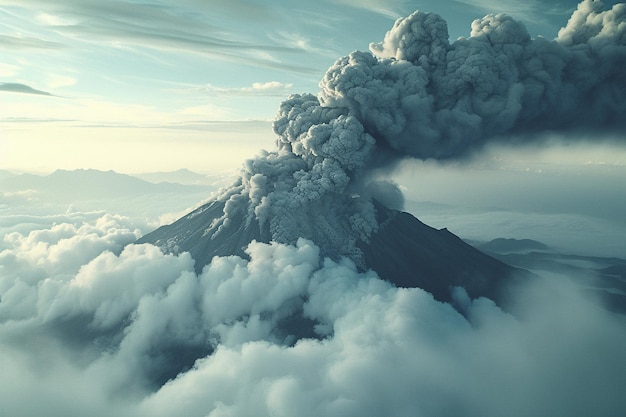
x: 160, y: 85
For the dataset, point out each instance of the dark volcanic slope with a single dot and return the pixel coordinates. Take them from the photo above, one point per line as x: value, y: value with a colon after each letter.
x: 410, y: 253
x: 404, y: 251
x: 187, y: 234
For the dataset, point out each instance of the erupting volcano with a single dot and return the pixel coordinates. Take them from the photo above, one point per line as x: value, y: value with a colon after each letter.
x: 414, y: 95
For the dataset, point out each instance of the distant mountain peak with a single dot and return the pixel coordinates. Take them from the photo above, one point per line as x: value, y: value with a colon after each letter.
x: 180, y: 176
x: 90, y: 184
x: 502, y: 245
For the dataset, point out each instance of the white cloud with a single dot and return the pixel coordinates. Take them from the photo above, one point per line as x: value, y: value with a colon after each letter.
x: 387, y: 8
x: 270, y: 88
x: 184, y: 28
x: 64, y: 247
x: 21, y: 42
x: 55, y: 20
x: 56, y: 81
x: 87, y: 317
x: 8, y: 70
x: 397, y: 351
x: 112, y: 325
x: 522, y: 10
x: 208, y: 112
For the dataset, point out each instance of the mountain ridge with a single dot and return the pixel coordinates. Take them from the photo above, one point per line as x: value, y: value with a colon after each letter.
x: 403, y: 251
x: 90, y: 183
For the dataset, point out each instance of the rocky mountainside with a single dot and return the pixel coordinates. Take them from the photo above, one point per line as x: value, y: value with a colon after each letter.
x: 404, y: 251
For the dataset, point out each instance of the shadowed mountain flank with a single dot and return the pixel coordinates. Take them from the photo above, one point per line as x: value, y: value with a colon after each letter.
x: 191, y: 234
x: 403, y: 251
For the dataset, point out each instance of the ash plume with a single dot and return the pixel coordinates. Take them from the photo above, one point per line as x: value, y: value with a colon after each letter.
x: 416, y: 95
x: 93, y: 322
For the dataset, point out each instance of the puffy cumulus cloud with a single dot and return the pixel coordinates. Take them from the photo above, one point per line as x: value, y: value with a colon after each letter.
x: 137, y: 318
x: 216, y: 344
x: 417, y: 95
x: 590, y: 24
x: 63, y: 247
x: 110, y: 285
x: 38, y: 259
x: 87, y: 318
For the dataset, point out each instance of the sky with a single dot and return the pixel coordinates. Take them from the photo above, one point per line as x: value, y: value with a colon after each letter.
x: 139, y: 86
x: 92, y: 323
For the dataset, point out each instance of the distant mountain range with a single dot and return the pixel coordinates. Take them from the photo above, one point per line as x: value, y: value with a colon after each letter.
x: 604, y: 277
x: 502, y: 245
x: 98, y: 191
x: 6, y: 174
x: 89, y: 184
x: 181, y: 176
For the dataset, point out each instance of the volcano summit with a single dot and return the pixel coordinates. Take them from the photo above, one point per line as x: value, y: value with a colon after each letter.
x: 302, y: 289
x: 403, y: 251
x: 414, y: 95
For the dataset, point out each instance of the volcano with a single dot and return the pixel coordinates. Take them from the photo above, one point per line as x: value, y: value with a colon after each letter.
x: 404, y: 251
x: 413, y: 95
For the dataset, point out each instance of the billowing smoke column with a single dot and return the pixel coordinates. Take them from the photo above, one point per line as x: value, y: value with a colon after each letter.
x: 417, y: 95
x: 92, y: 324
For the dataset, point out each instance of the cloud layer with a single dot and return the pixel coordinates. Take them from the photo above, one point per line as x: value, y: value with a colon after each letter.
x: 138, y: 333
x: 93, y: 324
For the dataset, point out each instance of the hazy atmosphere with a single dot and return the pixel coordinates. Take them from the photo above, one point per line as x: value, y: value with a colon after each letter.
x: 283, y: 140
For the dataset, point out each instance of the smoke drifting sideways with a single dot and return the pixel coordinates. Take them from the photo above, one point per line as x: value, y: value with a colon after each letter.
x: 91, y: 324
x: 416, y: 95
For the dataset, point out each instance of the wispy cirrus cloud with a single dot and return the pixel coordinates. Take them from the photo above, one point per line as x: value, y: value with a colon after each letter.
x: 389, y: 8
x: 270, y: 88
x: 27, y: 42
x: 60, y: 81
x: 188, y: 27
x: 8, y: 70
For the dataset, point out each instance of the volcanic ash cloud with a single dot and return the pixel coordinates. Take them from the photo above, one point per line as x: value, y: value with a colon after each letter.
x: 416, y: 95
x: 91, y: 324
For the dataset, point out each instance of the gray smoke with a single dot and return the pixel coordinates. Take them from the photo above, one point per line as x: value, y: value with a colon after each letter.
x: 426, y: 98
x: 418, y: 95
x: 91, y: 324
